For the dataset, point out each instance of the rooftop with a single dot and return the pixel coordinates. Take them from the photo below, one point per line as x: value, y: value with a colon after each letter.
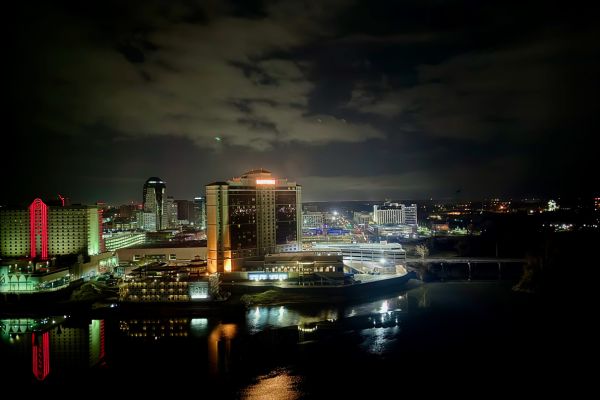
x: 260, y: 171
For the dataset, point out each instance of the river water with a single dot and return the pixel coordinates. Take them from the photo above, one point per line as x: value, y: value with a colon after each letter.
x: 419, y: 334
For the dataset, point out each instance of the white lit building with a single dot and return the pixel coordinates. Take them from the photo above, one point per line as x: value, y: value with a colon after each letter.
x: 392, y: 253
x: 395, y: 214
x: 120, y: 240
x: 311, y: 219
x: 146, y: 221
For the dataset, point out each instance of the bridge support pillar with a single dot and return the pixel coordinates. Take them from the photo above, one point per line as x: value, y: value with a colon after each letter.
x: 469, y: 265
x: 499, y: 270
x: 443, y: 272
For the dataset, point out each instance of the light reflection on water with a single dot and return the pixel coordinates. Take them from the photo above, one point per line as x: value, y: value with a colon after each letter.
x: 379, y: 340
x: 261, y: 318
x: 378, y: 325
x: 279, y: 384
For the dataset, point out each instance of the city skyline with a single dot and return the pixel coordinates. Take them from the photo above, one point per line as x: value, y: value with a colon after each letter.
x: 356, y: 100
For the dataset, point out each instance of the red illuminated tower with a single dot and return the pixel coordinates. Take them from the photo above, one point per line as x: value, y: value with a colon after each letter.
x: 38, y: 228
x: 40, y: 349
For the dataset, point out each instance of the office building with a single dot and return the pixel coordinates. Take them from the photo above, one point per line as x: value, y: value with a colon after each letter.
x: 170, y: 214
x: 146, y: 221
x: 154, y: 198
x: 185, y: 210
x: 311, y: 219
x: 199, y: 214
x: 121, y: 240
x: 253, y: 215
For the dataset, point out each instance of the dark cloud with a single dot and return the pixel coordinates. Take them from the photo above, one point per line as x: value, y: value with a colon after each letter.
x: 353, y: 99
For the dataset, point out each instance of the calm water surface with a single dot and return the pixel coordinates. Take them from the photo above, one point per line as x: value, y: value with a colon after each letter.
x: 287, y: 352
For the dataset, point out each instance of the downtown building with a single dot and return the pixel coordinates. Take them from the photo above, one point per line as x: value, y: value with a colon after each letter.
x: 251, y: 216
x: 312, y: 219
x: 395, y: 214
x: 154, y: 217
x: 121, y: 240
x: 42, y: 231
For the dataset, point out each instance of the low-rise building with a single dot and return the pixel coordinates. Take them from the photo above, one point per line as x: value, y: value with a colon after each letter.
x: 170, y: 252
x: 121, y: 240
x: 392, y: 253
x: 25, y: 277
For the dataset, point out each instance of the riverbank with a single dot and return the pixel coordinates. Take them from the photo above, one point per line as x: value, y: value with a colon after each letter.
x: 286, y: 295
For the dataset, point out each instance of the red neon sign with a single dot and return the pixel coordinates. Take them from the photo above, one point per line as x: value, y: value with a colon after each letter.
x: 40, y: 346
x: 38, y: 227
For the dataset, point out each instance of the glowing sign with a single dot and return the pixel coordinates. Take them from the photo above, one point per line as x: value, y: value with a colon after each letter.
x: 40, y: 346
x: 38, y: 227
x: 265, y: 181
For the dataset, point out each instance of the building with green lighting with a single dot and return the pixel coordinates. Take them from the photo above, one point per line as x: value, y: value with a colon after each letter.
x: 42, y: 231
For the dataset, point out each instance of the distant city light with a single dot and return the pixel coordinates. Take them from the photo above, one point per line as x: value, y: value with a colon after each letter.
x: 265, y: 181
x: 218, y: 138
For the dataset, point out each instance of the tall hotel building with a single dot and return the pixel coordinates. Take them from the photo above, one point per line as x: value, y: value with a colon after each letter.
x: 154, y: 202
x: 396, y: 214
x: 42, y: 231
x: 250, y: 216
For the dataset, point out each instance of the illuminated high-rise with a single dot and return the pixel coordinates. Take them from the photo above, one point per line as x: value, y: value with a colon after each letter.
x: 253, y: 215
x: 154, y: 200
x: 199, y: 212
x: 42, y: 231
x: 394, y: 213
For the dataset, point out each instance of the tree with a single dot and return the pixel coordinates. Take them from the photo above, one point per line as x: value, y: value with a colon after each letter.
x: 422, y: 250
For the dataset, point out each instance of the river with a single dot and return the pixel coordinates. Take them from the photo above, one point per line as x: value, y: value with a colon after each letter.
x: 419, y: 334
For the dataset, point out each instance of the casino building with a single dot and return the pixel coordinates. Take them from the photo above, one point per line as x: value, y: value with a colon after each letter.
x: 251, y: 216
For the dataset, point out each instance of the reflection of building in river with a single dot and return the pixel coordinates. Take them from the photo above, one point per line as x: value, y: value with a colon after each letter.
x: 54, y: 346
x: 423, y: 297
x: 170, y: 289
x: 219, y: 337
x: 78, y: 345
x: 220, y: 348
x: 40, y: 350
x: 155, y: 328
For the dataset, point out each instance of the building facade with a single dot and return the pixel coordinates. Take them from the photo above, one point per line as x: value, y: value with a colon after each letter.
x: 154, y: 198
x: 170, y: 214
x: 171, y: 252
x: 311, y: 219
x: 392, y: 253
x: 42, y: 231
x: 199, y: 213
x: 395, y: 214
x: 253, y: 215
x: 146, y: 221
x: 361, y: 218
x: 115, y: 241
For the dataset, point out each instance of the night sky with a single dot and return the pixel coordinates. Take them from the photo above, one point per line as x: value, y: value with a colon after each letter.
x: 353, y: 100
